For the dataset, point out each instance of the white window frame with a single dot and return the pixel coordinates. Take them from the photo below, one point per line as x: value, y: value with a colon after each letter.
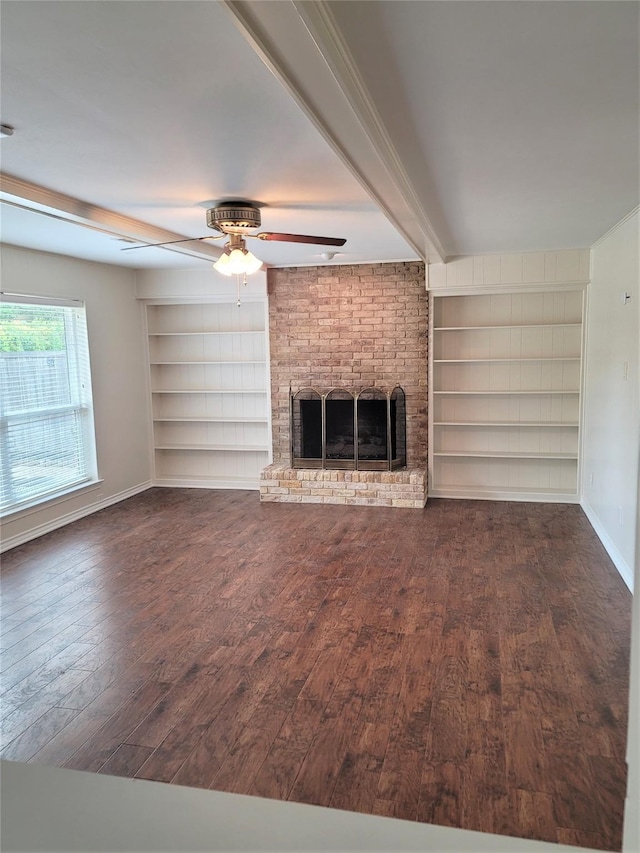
x: 79, y: 372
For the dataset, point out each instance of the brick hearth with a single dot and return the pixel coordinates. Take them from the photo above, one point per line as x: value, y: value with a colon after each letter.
x: 407, y: 488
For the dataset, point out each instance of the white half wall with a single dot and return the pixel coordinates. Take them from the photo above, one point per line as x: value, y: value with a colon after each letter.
x: 611, y: 432
x: 51, y: 808
x: 119, y: 379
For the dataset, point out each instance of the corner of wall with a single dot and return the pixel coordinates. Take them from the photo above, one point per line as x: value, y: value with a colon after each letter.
x: 624, y: 569
x: 611, y: 423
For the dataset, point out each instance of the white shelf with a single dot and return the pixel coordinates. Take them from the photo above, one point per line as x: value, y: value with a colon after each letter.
x: 502, y: 360
x: 201, y: 334
x: 209, y: 391
x: 221, y: 420
x: 220, y: 361
x: 177, y: 482
x: 512, y: 392
x: 504, y: 493
x: 506, y: 326
x: 567, y: 424
x: 504, y: 454
x: 257, y: 448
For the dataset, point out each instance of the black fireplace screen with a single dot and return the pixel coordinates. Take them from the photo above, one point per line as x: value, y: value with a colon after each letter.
x: 363, y: 430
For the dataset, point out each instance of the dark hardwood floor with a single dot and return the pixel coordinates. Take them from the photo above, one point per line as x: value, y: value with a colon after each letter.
x: 465, y: 665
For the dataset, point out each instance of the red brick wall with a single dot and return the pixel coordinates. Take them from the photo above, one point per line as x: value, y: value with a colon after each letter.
x: 349, y: 326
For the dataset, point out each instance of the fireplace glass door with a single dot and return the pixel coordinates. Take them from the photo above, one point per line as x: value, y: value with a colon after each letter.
x: 361, y: 430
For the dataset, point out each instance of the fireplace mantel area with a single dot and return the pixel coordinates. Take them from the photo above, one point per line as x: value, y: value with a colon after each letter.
x: 348, y: 327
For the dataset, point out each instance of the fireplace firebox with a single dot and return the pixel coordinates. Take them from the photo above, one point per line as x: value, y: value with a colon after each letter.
x: 362, y: 430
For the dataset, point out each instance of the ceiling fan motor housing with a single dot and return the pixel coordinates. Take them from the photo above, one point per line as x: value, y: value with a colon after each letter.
x: 233, y: 216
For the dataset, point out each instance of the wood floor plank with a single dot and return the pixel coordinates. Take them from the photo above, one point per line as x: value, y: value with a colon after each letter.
x: 485, y: 796
x: 126, y: 667
x: 356, y: 785
x: 575, y: 797
x: 440, y: 792
x: 23, y: 660
x: 278, y: 771
x: 466, y: 664
x: 188, y: 753
x: 528, y: 766
x: 318, y: 774
x: 51, y: 672
x: 104, y: 742
x: 125, y: 761
x: 39, y: 733
x: 168, y: 713
x: 579, y: 838
x: 536, y: 819
x: 244, y: 759
x: 610, y: 774
x: 77, y: 731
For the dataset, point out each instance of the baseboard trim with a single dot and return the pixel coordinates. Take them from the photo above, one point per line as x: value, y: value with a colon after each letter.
x: 624, y: 569
x: 67, y: 518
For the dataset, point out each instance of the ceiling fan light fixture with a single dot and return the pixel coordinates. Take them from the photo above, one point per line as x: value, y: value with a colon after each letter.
x: 222, y: 264
x: 251, y: 263
x: 237, y: 262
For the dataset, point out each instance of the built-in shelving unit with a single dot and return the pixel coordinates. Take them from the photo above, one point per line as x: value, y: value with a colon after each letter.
x: 505, y: 399
x: 208, y: 365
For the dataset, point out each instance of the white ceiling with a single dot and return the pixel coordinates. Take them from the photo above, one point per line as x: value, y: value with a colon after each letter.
x: 413, y: 129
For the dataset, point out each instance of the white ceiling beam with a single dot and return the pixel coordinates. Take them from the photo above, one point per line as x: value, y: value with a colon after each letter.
x: 303, y: 48
x: 38, y: 199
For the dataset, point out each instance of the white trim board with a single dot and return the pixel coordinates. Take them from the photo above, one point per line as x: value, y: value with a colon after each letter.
x: 506, y: 287
x: 61, y: 521
x: 206, y: 483
x: 615, y: 227
x: 464, y: 493
x: 625, y: 571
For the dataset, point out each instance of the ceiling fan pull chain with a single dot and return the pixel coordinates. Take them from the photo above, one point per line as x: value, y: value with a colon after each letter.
x: 238, y: 303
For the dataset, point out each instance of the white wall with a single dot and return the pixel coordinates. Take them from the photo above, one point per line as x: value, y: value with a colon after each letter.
x: 119, y: 379
x: 468, y: 272
x: 612, y: 402
x: 196, y: 284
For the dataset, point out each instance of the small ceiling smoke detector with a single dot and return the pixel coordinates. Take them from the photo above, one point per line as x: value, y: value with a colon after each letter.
x: 328, y: 256
x: 6, y: 130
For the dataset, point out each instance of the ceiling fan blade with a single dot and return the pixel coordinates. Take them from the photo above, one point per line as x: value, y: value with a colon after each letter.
x: 300, y: 238
x: 172, y: 242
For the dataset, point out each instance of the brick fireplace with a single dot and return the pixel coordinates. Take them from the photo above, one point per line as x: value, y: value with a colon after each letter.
x: 348, y: 327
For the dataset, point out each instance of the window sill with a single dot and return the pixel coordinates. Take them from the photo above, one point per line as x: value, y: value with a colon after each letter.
x: 50, y: 500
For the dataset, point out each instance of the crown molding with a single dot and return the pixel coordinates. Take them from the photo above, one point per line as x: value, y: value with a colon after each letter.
x: 615, y: 227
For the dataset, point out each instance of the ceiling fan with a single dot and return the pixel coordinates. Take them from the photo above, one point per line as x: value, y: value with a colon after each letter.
x: 235, y: 219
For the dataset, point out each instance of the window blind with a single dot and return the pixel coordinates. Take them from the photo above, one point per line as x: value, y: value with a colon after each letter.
x: 47, y: 442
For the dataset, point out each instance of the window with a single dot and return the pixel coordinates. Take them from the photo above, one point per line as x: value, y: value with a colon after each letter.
x: 47, y: 443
